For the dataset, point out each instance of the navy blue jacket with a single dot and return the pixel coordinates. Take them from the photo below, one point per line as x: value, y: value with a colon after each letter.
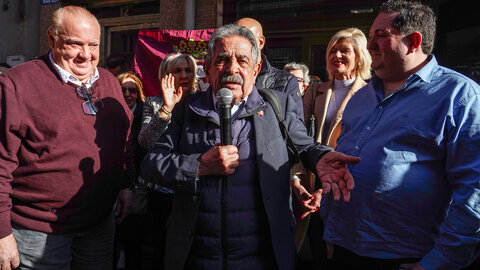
x: 173, y: 162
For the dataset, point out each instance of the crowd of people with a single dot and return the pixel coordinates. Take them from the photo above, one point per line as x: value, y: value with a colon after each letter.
x: 377, y: 167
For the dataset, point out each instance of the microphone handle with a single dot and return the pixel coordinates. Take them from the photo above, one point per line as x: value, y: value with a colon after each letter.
x: 226, y: 125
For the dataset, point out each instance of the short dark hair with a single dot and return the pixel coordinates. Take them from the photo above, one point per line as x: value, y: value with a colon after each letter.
x: 413, y: 16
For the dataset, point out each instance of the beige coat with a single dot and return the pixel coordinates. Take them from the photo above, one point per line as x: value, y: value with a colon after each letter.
x: 316, y: 100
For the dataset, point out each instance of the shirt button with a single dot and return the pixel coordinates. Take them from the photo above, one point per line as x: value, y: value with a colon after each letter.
x: 380, y: 107
x: 368, y: 128
x: 356, y: 147
x: 195, y: 198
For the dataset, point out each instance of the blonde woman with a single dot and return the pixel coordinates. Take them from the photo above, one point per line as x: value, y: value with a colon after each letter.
x: 177, y: 75
x: 348, y: 66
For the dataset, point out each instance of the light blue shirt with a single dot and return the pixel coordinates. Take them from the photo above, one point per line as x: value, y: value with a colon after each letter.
x: 417, y: 188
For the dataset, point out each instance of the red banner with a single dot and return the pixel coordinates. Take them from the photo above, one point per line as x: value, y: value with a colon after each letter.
x: 154, y: 45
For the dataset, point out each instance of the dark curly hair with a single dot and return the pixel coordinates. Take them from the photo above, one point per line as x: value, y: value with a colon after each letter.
x: 413, y: 16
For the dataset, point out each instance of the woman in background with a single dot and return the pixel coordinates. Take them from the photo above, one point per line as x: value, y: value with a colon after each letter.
x: 177, y: 75
x: 348, y: 66
x: 130, y: 234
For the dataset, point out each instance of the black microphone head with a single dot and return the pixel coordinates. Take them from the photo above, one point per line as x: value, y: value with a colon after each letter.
x: 225, y: 97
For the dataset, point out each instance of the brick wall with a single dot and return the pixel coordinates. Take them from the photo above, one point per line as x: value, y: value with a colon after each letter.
x: 206, y: 14
x: 172, y: 14
x: 45, y: 14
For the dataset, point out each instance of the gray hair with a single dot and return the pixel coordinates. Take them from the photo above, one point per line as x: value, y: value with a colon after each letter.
x: 56, y: 21
x: 298, y: 66
x: 412, y: 17
x: 227, y: 31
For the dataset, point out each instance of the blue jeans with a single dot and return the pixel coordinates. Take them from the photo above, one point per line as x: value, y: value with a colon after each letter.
x: 91, y: 249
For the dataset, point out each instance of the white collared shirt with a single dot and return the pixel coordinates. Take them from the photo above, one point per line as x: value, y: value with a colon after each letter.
x: 68, y: 77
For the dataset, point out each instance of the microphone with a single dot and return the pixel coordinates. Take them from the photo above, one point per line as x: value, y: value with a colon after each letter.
x: 225, y: 97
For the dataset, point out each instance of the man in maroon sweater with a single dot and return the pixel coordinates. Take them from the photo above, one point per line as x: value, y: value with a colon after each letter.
x: 65, y: 153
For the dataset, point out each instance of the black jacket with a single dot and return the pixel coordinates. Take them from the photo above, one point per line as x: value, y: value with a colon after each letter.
x: 279, y: 80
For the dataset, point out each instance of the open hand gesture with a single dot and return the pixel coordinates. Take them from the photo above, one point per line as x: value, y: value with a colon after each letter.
x: 334, y: 175
x: 171, y: 96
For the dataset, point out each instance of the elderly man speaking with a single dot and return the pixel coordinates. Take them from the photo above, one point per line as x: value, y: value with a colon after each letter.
x: 231, y: 207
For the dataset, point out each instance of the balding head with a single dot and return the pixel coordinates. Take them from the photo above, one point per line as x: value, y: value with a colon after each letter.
x: 256, y: 28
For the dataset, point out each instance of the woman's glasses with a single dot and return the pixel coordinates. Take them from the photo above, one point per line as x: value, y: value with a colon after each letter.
x: 92, y: 105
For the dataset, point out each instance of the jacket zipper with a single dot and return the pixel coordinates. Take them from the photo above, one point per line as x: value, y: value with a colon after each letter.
x: 223, y: 224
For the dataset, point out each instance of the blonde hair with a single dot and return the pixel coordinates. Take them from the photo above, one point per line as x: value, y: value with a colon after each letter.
x: 56, y: 21
x: 172, y: 60
x: 129, y: 75
x: 359, y: 44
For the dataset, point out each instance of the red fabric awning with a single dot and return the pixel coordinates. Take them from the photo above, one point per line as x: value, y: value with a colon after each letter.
x: 154, y: 45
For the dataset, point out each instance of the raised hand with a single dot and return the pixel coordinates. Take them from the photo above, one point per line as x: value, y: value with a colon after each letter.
x: 219, y: 160
x: 171, y: 96
x: 334, y: 175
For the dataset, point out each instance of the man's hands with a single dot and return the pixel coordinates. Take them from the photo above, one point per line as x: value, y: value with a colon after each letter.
x: 124, y: 202
x: 8, y: 253
x: 219, y: 160
x: 334, y: 175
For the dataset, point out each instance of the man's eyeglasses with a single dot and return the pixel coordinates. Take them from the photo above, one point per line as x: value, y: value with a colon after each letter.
x: 92, y: 105
x: 132, y: 90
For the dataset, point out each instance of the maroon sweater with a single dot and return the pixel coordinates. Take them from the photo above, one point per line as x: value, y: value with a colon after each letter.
x: 60, y: 169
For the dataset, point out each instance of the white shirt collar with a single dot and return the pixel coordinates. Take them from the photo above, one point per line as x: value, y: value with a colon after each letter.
x: 67, y: 77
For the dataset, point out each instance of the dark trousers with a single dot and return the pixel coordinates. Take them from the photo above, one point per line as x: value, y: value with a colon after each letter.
x: 318, y: 246
x: 343, y: 259
x: 159, y: 207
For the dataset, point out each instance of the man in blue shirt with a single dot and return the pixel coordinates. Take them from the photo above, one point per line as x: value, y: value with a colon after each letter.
x: 416, y: 127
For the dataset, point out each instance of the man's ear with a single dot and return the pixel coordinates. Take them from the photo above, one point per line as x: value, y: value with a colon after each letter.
x: 414, y: 42
x: 256, y: 69
x: 262, y: 42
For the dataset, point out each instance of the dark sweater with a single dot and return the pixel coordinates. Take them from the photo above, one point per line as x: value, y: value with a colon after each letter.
x: 60, y: 169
